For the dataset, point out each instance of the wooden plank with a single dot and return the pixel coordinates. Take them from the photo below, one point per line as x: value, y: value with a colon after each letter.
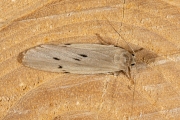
x: 150, y: 25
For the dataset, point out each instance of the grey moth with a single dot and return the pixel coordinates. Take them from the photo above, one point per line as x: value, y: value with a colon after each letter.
x: 79, y: 58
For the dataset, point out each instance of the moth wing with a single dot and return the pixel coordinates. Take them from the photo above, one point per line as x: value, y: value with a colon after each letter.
x: 74, y: 58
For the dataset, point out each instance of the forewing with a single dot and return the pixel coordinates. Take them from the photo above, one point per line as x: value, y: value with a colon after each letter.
x: 73, y: 58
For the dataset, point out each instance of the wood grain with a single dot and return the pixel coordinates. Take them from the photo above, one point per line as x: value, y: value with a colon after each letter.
x: 150, y: 25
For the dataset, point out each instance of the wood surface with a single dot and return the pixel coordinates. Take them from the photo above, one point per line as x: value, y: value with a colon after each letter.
x: 150, y: 26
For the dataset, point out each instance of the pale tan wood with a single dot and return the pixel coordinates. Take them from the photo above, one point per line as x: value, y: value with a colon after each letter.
x: 153, y: 25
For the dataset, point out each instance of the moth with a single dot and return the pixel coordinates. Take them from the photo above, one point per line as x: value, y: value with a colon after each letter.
x: 80, y: 59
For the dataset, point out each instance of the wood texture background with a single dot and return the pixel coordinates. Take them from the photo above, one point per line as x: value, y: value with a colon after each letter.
x: 153, y: 25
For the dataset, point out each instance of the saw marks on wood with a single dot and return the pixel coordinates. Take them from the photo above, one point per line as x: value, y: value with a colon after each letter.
x: 151, y: 27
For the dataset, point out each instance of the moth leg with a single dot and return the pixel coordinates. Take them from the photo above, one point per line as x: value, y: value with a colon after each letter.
x: 138, y: 50
x: 102, y: 41
x: 127, y: 72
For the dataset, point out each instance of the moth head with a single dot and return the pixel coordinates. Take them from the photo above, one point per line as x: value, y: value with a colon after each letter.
x: 129, y: 59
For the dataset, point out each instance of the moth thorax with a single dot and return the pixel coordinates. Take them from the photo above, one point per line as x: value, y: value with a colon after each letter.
x: 123, y: 58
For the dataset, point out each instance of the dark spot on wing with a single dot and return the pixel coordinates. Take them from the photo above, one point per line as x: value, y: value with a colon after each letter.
x: 67, y: 44
x: 132, y: 64
x: 76, y: 59
x: 110, y: 73
x: 60, y: 66
x: 56, y: 58
x: 83, y: 55
x: 66, y: 72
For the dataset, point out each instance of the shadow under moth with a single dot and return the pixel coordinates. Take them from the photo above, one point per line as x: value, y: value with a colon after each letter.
x: 80, y: 59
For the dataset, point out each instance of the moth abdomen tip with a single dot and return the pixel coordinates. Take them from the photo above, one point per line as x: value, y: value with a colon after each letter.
x: 20, y: 57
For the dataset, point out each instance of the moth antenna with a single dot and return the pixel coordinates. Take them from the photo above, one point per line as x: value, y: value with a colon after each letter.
x: 120, y: 36
x: 133, y: 79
